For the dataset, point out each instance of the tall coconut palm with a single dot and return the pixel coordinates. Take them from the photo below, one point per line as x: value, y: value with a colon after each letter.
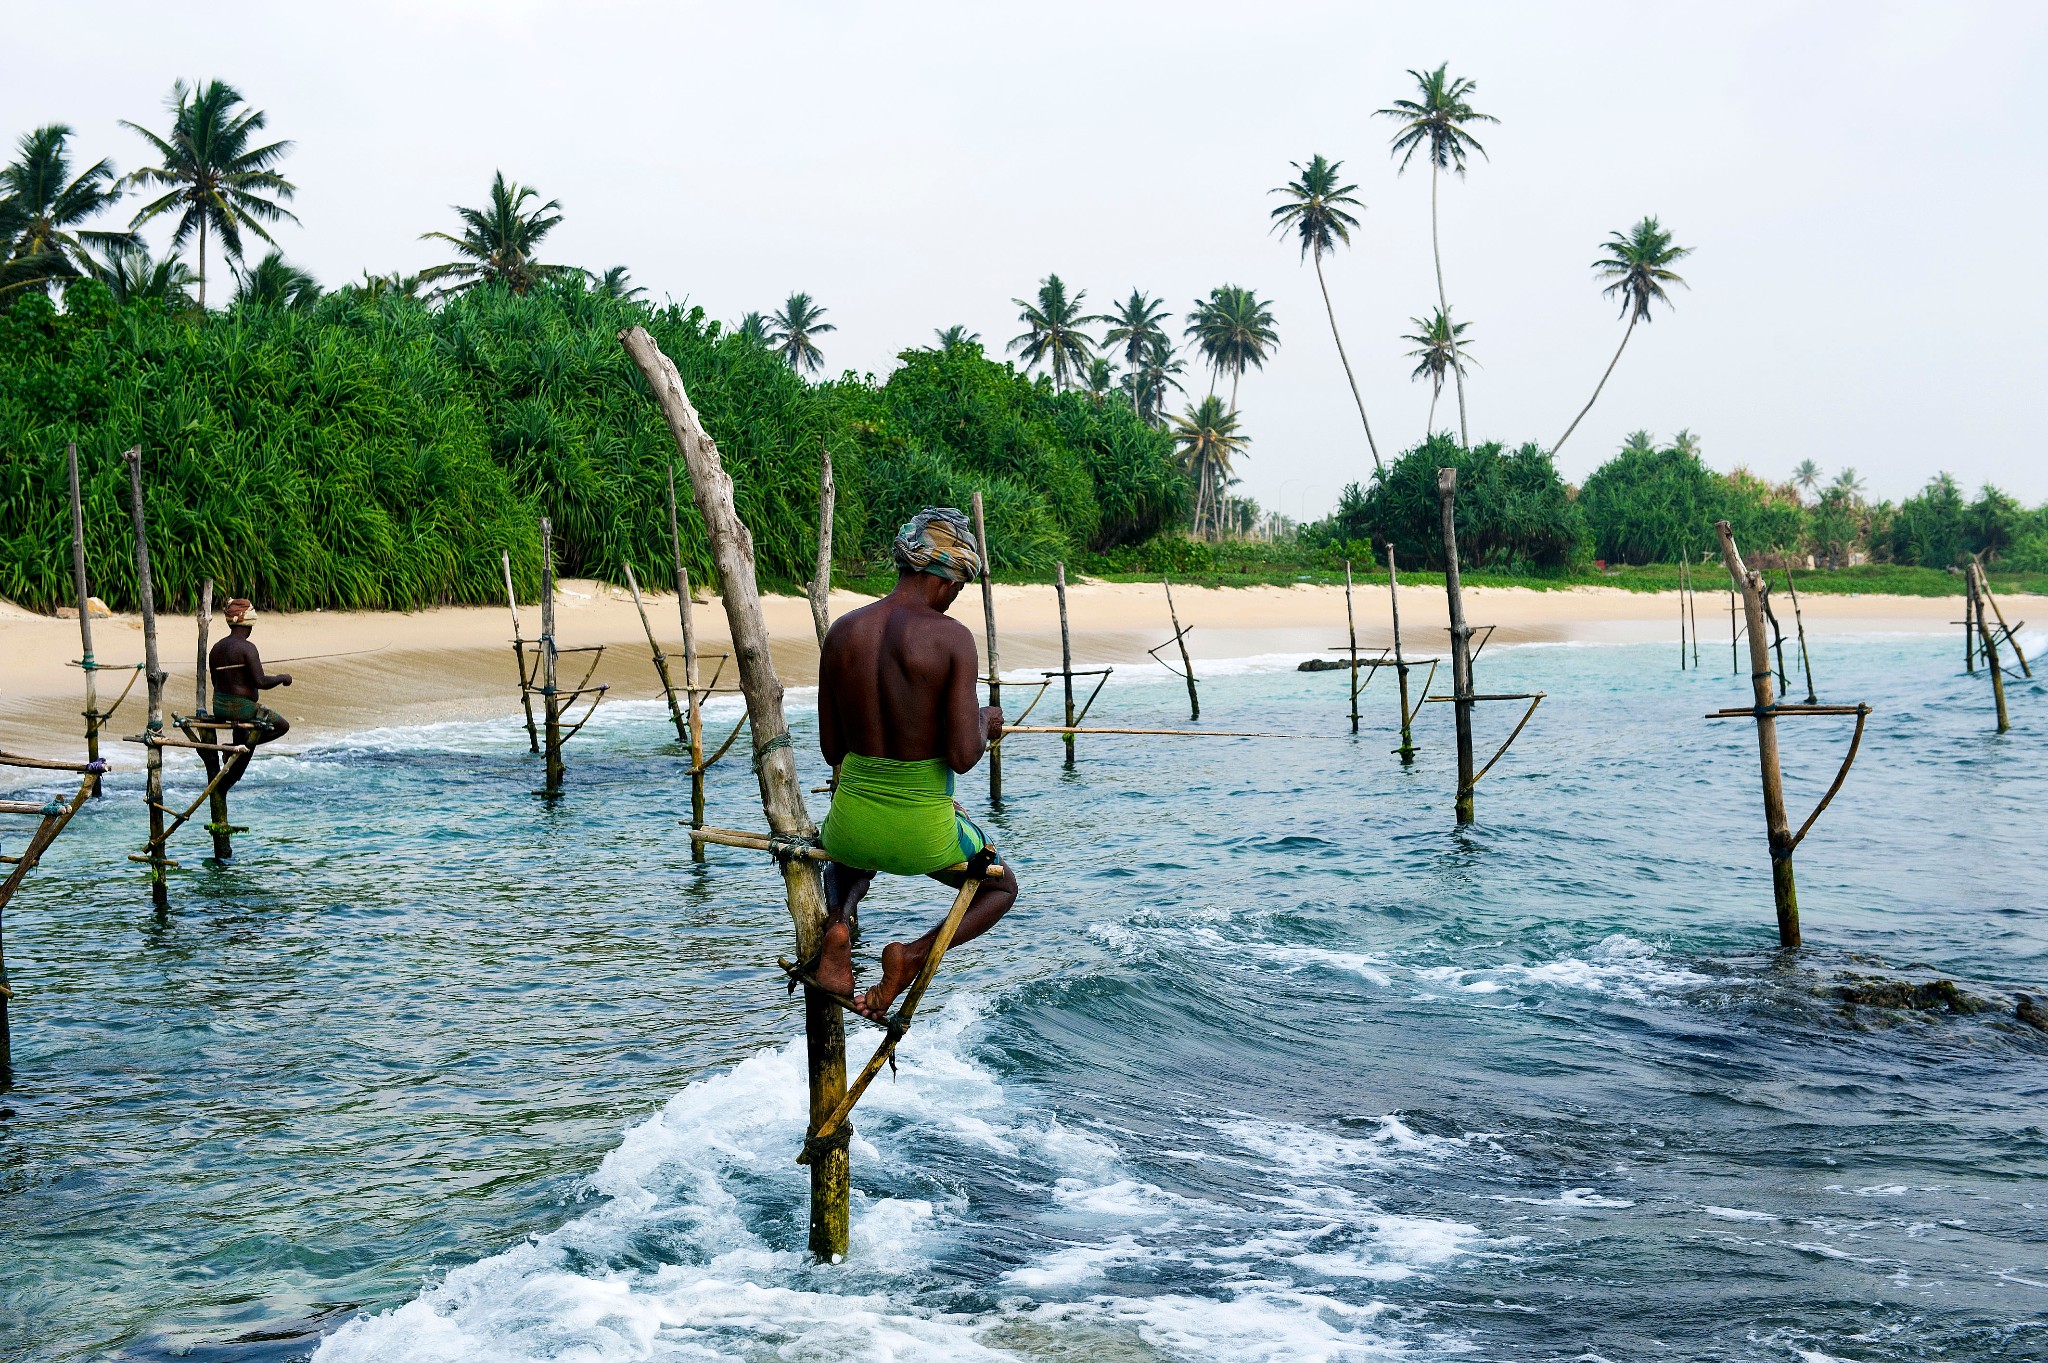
x: 1807, y: 476
x: 1100, y: 380
x: 1052, y: 331
x: 132, y: 275
x: 1148, y: 380
x: 1135, y: 325
x: 1208, y: 438
x: 43, y: 207
x: 1439, y: 350
x: 1438, y: 124
x: 956, y: 336
x: 1848, y: 484
x: 1233, y: 328
x: 791, y: 331
x: 219, y: 182
x: 273, y: 283
x: 1637, y: 266
x: 498, y: 242
x: 1317, y: 211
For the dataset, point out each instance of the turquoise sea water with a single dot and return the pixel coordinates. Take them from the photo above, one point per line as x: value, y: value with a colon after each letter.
x: 1270, y: 1062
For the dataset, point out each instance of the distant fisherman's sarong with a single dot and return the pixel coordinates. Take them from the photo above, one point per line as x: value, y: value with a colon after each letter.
x: 898, y: 817
x: 243, y: 710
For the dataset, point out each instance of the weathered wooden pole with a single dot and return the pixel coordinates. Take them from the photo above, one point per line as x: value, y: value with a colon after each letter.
x: 668, y: 688
x: 1681, y: 617
x: 685, y: 608
x: 995, y: 667
x: 1990, y: 644
x: 821, y: 585
x: 550, y: 702
x: 1180, y: 636
x: 1351, y: 625
x: 781, y: 793
x: 216, y: 799
x: 85, y: 661
x: 519, y: 653
x: 1059, y: 585
x: 1970, y: 623
x: 1407, y: 748
x: 1776, y: 824
x: 1692, y: 598
x: 1777, y: 635
x: 1734, y: 635
x: 1461, y: 641
x: 1984, y: 589
x: 153, y: 673
x: 1799, y: 623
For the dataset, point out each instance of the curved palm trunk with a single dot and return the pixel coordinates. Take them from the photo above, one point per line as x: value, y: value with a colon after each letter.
x: 1436, y: 390
x: 1596, y: 390
x: 1437, y: 249
x: 202, y: 262
x: 1348, y: 375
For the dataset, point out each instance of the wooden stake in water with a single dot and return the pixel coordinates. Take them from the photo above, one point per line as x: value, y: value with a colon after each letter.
x: 519, y: 655
x: 995, y: 667
x: 668, y: 688
x: 1059, y: 584
x: 153, y: 674
x: 1970, y: 623
x: 781, y: 793
x: 821, y: 585
x: 1461, y: 641
x: 684, y: 607
x: 1987, y: 599
x: 1799, y: 623
x: 1187, y: 668
x: 550, y: 701
x: 1407, y: 748
x: 1990, y: 644
x: 1692, y: 599
x: 1734, y: 659
x: 1776, y: 824
x: 1351, y: 625
x: 85, y: 662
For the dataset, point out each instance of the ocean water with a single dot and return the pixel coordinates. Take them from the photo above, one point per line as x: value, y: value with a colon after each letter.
x: 1271, y: 1062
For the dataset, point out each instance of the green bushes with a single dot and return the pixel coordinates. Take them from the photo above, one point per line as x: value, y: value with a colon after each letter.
x: 1651, y: 506
x: 1514, y: 514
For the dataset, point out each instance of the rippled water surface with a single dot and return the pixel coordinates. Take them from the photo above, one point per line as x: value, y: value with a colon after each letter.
x: 1269, y: 1063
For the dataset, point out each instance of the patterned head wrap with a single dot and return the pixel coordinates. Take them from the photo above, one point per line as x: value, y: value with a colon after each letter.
x: 239, y: 611
x: 938, y: 540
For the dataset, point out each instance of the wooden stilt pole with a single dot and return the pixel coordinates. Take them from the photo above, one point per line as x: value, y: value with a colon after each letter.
x: 1777, y: 636
x: 550, y: 701
x: 1776, y: 824
x: 85, y: 661
x: 995, y: 667
x: 821, y: 586
x: 1351, y: 625
x: 1187, y: 667
x: 684, y: 606
x: 1461, y: 641
x: 1059, y: 583
x: 153, y: 674
x: 1734, y: 660
x: 1799, y: 623
x: 217, y: 798
x: 1984, y: 591
x: 1990, y: 645
x: 1692, y: 598
x: 1681, y: 617
x: 1970, y: 623
x: 519, y: 654
x: 1407, y: 748
x: 668, y: 688
x: 781, y: 793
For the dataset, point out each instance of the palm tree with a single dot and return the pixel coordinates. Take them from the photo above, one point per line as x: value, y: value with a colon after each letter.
x: 955, y: 336
x: 1686, y: 443
x: 1440, y: 350
x: 753, y: 327
x: 1100, y: 380
x: 1807, y: 476
x: 1208, y: 438
x: 498, y: 242
x: 1053, y: 335
x: 1135, y: 325
x: 393, y: 285
x: 790, y: 331
x: 1234, y: 331
x: 1848, y: 484
x: 42, y: 205
x: 218, y: 181
x: 1438, y: 122
x: 132, y: 275
x: 616, y: 283
x: 1317, y: 212
x: 1149, y: 379
x: 275, y: 284
x: 1639, y: 442
x: 1637, y: 266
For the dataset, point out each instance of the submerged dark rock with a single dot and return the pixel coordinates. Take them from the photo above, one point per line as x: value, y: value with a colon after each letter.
x: 1931, y: 996
x: 2029, y: 1012
x: 1323, y: 665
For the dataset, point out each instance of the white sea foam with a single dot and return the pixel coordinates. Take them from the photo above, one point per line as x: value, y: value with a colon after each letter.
x: 1621, y: 966
x: 1304, y: 1149
x: 1571, y: 1197
x: 1737, y: 1214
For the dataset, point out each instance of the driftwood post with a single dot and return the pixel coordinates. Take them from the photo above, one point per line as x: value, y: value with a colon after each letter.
x: 1187, y: 668
x: 216, y: 798
x: 821, y: 585
x: 995, y: 668
x: 668, y: 687
x: 1984, y: 591
x: 153, y: 674
x: 1351, y: 625
x: 550, y: 702
x: 519, y: 654
x: 1799, y: 623
x: 1407, y: 749
x: 1990, y: 642
x: 1776, y: 824
x: 1461, y: 641
x: 781, y: 793
x: 85, y: 661
x: 1059, y: 585
x: 696, y: 707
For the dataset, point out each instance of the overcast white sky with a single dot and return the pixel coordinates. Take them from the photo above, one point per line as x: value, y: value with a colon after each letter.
x: 1862, y: 184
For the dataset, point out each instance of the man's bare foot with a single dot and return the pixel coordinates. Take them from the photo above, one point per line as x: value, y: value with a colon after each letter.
x: 897, y: 968
x: 835, y: 959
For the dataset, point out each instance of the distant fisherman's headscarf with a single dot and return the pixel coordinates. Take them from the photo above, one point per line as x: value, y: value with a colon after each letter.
x: 938, y: 540
x: 239, y: 611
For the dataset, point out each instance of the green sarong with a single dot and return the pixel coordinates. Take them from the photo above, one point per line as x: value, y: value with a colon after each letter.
x: 243, y: 711
x: 898, y: 817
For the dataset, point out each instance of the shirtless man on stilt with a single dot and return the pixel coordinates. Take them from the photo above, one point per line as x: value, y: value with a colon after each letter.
x: 898, y: 719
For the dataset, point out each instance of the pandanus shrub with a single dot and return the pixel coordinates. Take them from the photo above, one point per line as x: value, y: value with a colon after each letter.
x: 1513, y: 512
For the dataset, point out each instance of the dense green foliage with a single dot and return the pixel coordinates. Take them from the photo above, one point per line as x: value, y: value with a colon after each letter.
x: 1648, y: 505
x: 377, y: 452
x: 1514, y: 514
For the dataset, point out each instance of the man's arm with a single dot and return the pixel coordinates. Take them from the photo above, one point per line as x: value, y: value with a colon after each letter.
x: 969, y: 724
x: 266, y: 680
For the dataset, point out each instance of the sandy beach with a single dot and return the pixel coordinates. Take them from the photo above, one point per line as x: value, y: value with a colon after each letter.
x: 373, y: 669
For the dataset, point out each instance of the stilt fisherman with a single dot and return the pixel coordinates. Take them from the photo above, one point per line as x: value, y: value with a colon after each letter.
x: 238, y: 677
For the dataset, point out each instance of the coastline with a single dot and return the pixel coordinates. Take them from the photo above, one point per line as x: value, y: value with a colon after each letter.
x: 455, y: 662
